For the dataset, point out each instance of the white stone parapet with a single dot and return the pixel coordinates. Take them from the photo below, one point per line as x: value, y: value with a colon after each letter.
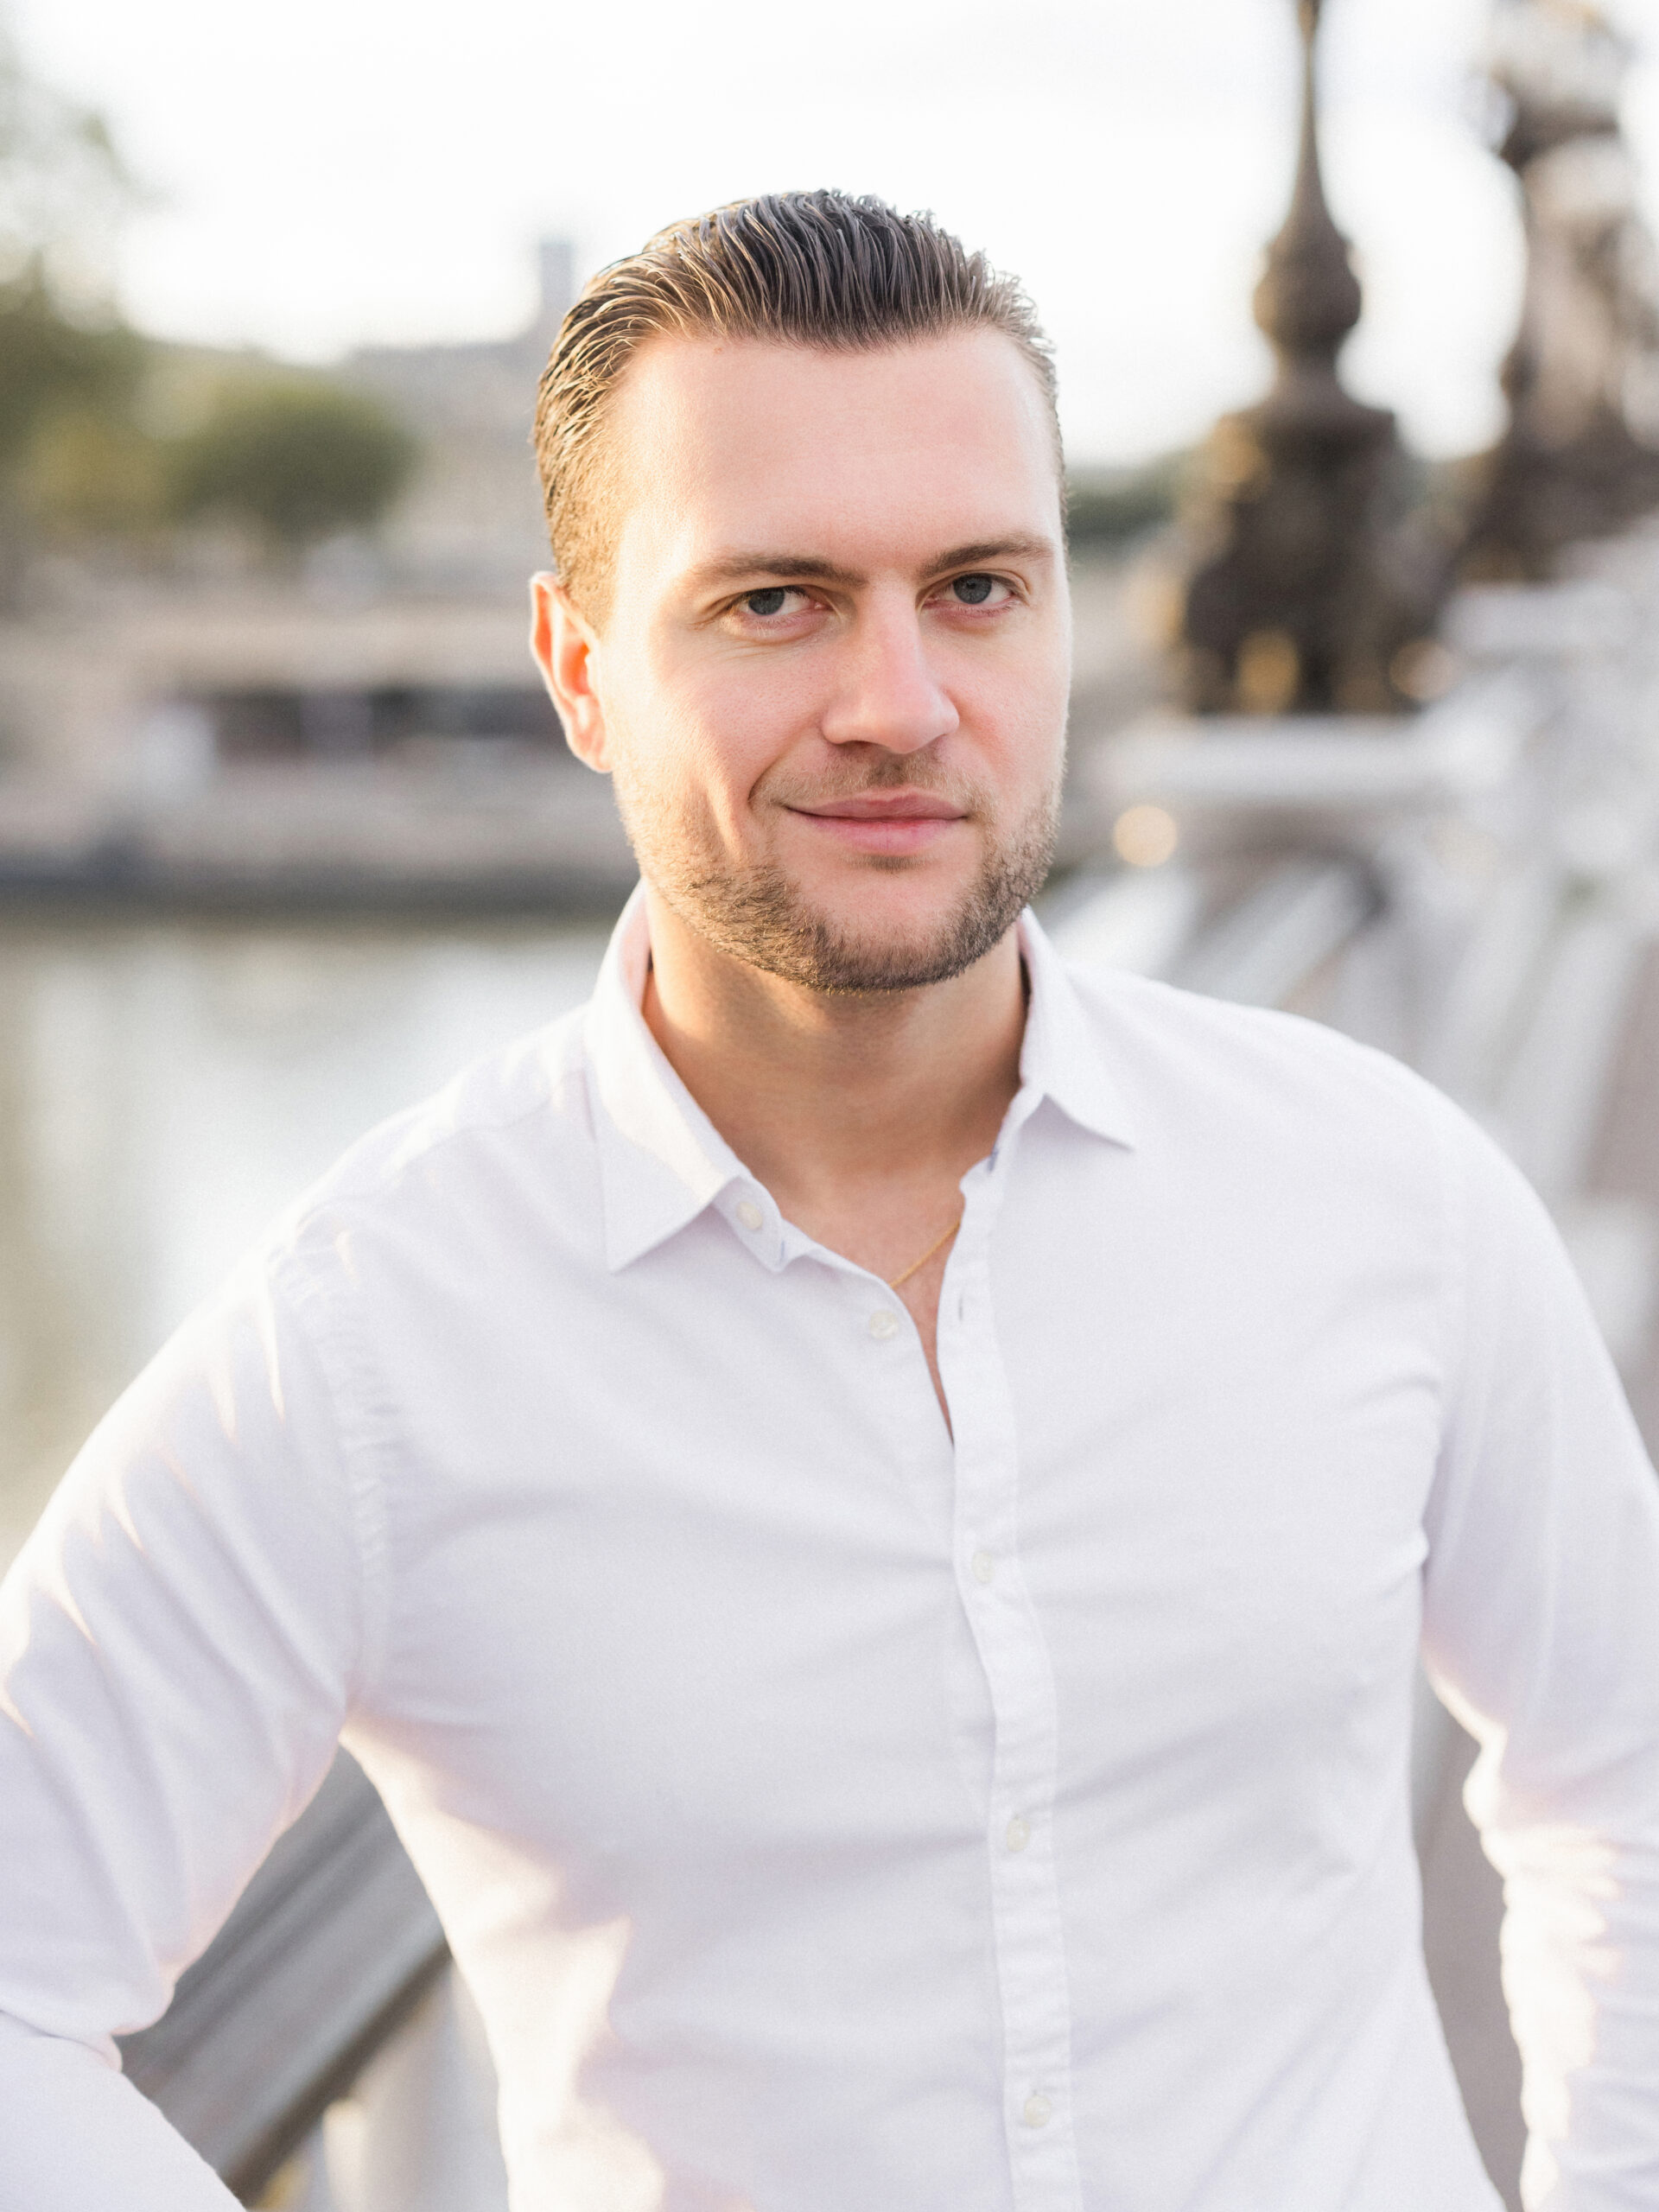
x: 1354, y: 770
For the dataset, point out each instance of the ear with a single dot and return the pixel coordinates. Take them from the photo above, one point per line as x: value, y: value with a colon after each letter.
x: 565, y: 647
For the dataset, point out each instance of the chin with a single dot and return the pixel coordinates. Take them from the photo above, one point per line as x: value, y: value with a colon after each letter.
x: 868, y: 936
x: 884, y: 925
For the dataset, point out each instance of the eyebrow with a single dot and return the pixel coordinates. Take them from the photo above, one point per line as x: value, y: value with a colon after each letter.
x: 733, y: 567
x: 1021, y: 545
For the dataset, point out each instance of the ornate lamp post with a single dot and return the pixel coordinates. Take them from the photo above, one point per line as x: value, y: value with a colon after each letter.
x: 1580, y: 456
x: 1312, y: 598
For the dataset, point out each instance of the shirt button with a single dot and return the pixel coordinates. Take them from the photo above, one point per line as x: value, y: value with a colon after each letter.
x: 1019, y: 1834
x: 749, y: 1214
x: 984, y: 1566
x: 1037, y: 2111
x: 883, y: 1323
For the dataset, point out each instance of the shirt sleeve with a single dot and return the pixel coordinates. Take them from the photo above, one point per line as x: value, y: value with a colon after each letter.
x: 1542, y: 1634
x: 180, y: 1640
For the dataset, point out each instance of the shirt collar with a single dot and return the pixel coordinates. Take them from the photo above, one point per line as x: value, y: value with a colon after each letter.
x: 1062, y: 1057
x: 661, y: 1159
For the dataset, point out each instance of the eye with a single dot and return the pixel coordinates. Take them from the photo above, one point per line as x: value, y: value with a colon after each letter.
x: 976, y: 590
x: 783, y: 612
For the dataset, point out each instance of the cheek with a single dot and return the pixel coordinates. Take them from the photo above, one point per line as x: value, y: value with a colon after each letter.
x: 734, y: 722
x: 1017, y: 721
x: 692, y: 754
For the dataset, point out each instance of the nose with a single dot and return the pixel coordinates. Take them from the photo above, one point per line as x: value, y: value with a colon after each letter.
x: 889, y: 693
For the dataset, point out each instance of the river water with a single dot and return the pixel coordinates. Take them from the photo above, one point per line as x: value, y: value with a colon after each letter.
x: 166, y: 1088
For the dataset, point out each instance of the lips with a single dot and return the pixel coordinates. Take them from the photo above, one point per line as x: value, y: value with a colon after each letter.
x: 886, y: 806
x: 891, y: 823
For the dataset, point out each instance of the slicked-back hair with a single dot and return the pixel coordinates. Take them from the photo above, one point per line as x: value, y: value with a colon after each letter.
x: 816, y: 268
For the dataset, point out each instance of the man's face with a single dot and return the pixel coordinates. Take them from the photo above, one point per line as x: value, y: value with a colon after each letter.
x: 831, y: 681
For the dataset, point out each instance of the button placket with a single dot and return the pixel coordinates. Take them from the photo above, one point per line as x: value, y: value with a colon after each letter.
x: 893, y: 1375
x: 1028, y: 1936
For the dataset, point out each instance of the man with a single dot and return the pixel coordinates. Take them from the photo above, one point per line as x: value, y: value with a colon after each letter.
x: 869, y: 1502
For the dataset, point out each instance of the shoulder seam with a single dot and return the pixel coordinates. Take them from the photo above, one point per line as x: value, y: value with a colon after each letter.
x: 309, y: 1211
x: 1383, y: 1068
x: 309, y: 1303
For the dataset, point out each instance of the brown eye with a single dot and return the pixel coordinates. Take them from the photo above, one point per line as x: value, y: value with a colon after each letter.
x: 974, y: 591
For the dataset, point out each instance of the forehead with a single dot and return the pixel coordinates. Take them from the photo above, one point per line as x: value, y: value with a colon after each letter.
x: 728, y: 445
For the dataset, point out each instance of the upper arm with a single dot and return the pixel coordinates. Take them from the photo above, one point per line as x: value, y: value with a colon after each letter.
x: 180, y: 1640
x: 1541, y: 1593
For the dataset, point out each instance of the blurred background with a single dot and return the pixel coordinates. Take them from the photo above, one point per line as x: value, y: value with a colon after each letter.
x: 1366, y: 717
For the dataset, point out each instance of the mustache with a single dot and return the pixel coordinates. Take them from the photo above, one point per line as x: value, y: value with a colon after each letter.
x: 889, y: 771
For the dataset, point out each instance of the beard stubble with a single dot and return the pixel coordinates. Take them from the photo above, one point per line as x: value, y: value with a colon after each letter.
x: 758, y: 915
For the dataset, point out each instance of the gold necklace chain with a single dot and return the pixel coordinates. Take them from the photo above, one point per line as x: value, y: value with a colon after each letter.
x: 939, y: 1245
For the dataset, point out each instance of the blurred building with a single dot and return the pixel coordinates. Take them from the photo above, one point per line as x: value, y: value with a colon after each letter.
x: 471, y: 522
x: 370, y: 724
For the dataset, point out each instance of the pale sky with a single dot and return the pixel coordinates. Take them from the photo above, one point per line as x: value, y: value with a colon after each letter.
x: 349, y: 170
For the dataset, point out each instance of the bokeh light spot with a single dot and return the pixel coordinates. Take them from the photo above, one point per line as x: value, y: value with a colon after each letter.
x: 1145, y: 836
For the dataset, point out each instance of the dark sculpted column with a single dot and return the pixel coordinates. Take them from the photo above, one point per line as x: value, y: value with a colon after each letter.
x: 1580, y: 456
x: 1309, y: 597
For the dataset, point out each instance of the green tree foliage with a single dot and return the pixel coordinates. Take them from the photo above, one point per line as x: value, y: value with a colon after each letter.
x: 288, y: 457
x: 69, y: 372
x: 298, y: 460
x: 94, y: 473
x: 52, y: 363
x: 62, y: 187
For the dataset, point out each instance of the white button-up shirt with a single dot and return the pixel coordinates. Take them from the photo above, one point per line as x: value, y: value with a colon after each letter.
x: 834, y: 1811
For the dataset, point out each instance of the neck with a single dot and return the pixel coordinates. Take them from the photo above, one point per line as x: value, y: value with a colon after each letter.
x: 828, y: 1098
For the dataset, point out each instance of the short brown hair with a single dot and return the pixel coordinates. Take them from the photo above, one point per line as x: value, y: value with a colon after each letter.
x: 817, y: 269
